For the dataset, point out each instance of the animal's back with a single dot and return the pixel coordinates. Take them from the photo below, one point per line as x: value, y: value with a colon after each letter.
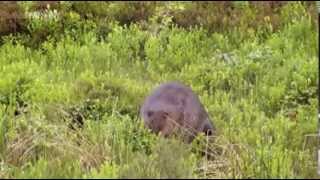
x: 171, y: 96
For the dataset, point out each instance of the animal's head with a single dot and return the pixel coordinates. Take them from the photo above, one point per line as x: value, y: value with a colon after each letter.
x: 162, y: 122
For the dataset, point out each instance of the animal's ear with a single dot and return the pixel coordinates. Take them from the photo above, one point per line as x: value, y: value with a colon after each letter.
x: 150, y: 113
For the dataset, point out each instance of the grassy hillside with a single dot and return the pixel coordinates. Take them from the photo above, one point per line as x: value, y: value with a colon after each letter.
x: 259, y: 83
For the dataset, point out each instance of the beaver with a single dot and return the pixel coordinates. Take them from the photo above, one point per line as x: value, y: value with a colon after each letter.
x: 174, y: 108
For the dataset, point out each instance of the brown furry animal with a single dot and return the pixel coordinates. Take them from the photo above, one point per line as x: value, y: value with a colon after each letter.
x: 173, y: 107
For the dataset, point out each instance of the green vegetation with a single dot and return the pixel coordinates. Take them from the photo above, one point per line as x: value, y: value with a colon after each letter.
x: 254, y: 67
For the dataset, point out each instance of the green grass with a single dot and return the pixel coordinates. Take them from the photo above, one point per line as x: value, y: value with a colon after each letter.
x: 261, y: 93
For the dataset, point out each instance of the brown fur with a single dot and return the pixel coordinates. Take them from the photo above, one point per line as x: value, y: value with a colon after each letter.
x: 173, y: 107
